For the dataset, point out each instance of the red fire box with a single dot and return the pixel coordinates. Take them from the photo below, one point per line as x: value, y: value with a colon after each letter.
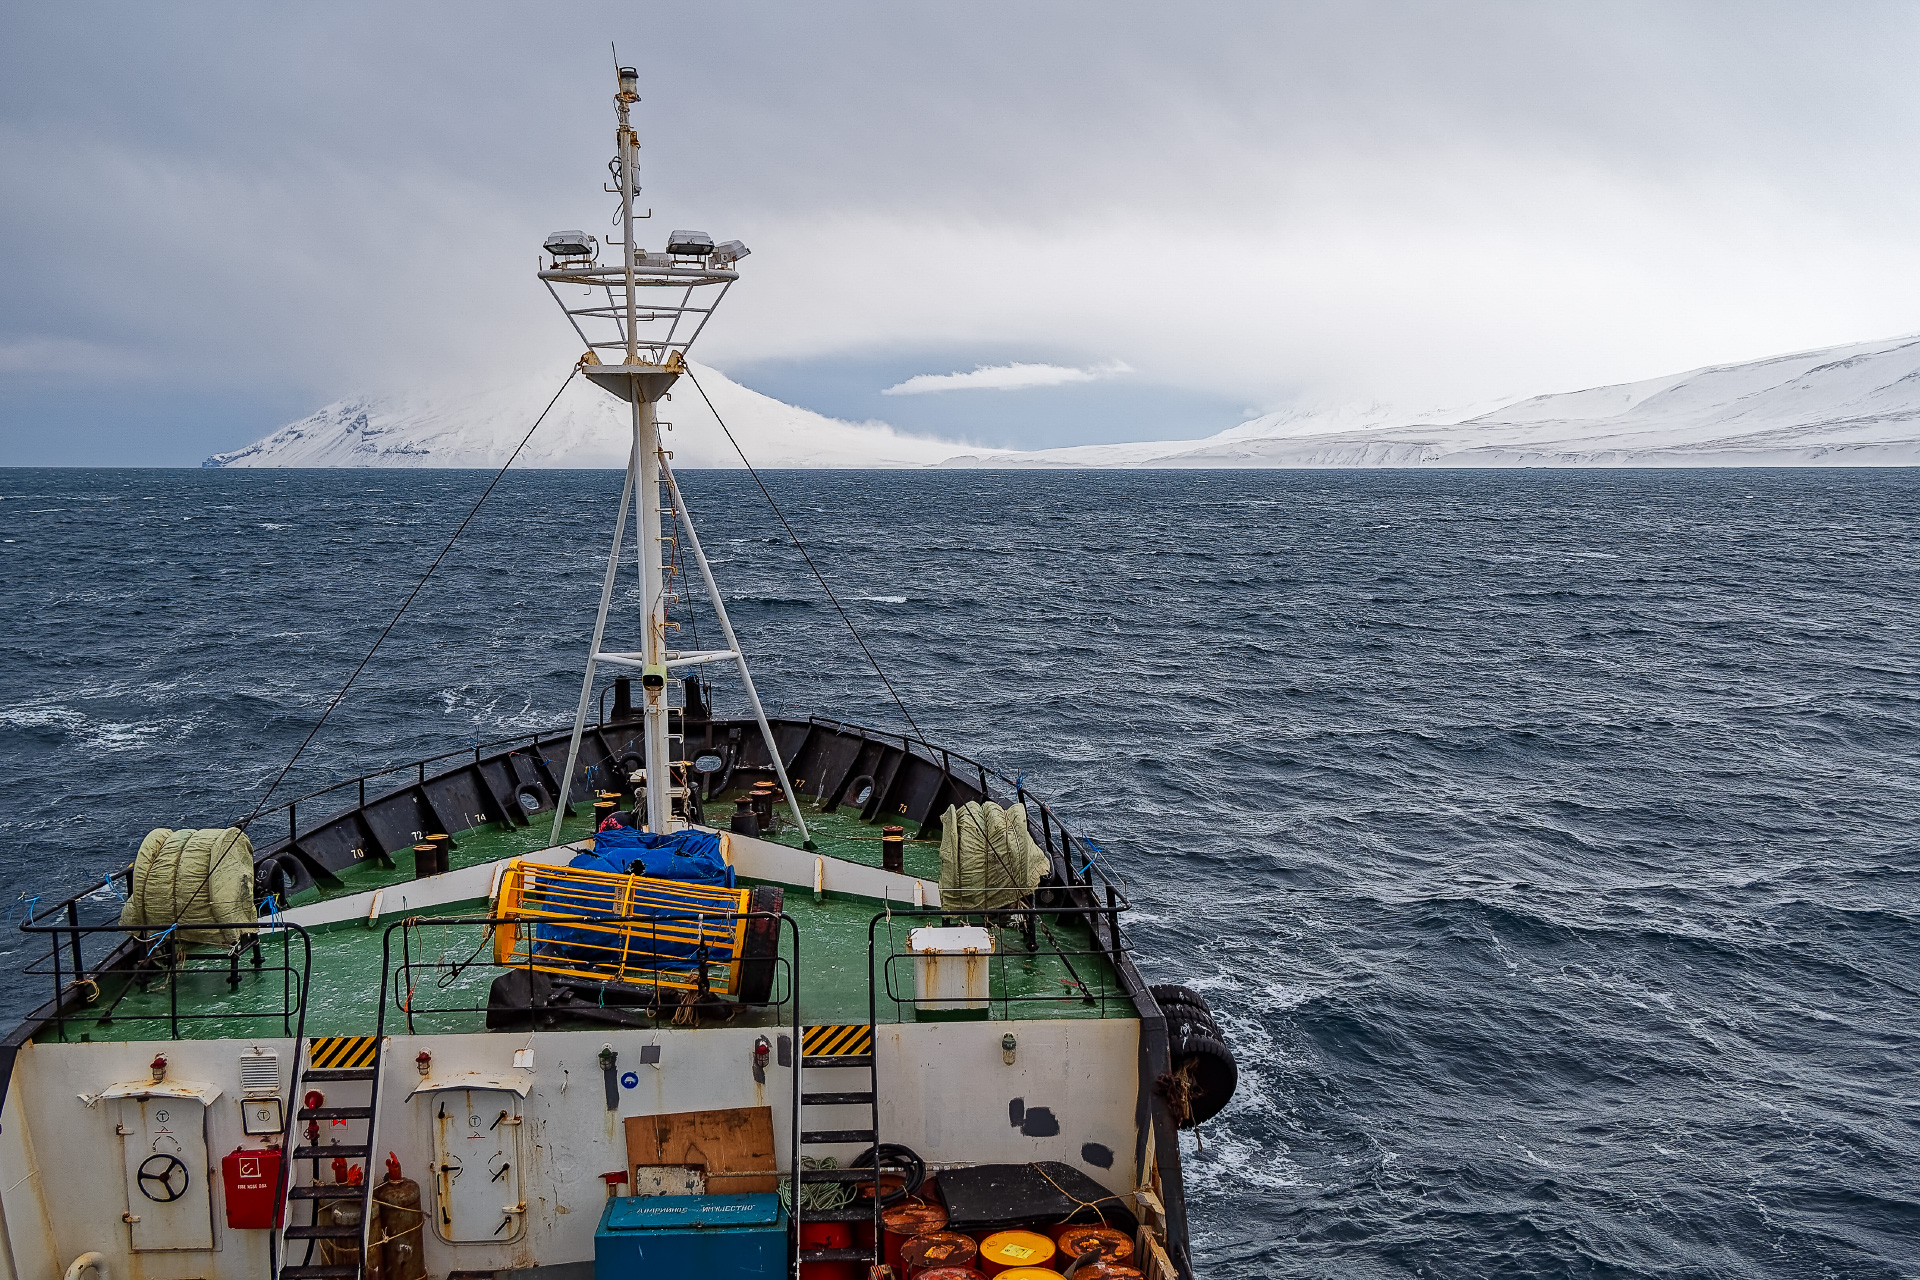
x: 251, y: 1178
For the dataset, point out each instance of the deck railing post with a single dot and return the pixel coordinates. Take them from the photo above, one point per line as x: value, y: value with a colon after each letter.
x: 73, y: 918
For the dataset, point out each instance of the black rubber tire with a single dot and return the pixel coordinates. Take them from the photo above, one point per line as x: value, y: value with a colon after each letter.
x: 1172, y: 993
x: 278, y: 876
x: 630, y: 764
x: 1209, y: 1064
x: 760, y: 949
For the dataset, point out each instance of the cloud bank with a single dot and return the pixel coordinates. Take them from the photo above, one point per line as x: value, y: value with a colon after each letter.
x: 1003, y: 377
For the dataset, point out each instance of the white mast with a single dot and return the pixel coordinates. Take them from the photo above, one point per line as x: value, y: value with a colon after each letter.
x: 692, y: 276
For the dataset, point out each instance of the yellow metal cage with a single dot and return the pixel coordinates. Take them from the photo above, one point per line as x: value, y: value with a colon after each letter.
x: 567, y: 921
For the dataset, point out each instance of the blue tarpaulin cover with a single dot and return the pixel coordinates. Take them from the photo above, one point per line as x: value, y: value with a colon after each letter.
x: 691, y: 857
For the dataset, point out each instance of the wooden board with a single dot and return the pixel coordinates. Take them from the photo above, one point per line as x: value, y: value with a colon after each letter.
x: 734, y: 1146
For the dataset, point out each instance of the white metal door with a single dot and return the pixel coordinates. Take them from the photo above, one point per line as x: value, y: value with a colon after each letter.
x: 169, y: 1180
x: 476, y: 1166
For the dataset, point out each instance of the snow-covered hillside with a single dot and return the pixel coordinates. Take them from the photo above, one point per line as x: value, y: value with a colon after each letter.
x: 480, y: 426
x: 1856, y: 405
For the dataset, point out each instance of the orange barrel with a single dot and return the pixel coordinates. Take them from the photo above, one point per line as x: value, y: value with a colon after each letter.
x: 827, y: 1235
x: 1030, y: 1273
x: 1107, y: 1271
x: 1075, y: 1242
x: 903, y: 1221
x: 938, y: 1249
x: 1015, y: 1250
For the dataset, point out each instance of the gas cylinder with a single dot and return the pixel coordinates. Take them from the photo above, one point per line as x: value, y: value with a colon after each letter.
x: 401, y: 1223
x: 344, y: 1251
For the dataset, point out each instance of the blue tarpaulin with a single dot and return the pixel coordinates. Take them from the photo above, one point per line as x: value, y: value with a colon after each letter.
x: 691, y: 857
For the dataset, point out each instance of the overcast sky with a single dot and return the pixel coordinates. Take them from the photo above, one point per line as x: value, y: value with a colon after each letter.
x: 1113, y: 221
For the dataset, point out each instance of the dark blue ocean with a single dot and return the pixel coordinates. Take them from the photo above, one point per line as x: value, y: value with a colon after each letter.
x: 1548, y: 843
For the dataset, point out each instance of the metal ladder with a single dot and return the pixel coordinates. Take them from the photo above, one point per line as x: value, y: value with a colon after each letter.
x: 351, y: 1060
x: 838, y: 1048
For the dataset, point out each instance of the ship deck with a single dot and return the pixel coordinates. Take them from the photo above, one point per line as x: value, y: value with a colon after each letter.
x: 1065, y: 978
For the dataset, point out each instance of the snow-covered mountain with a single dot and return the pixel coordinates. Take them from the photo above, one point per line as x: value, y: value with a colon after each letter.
x: 1855, y: 405
x: 479, y: 426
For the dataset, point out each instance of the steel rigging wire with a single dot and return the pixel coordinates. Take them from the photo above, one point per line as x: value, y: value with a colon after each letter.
x: 802, y: 549
x: 206, y: 879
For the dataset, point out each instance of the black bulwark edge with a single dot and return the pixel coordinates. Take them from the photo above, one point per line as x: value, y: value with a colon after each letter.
x: 824, y: 758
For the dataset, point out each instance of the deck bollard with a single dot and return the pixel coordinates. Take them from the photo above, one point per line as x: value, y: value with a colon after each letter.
x: 893, y: 849
x: 745, y: 821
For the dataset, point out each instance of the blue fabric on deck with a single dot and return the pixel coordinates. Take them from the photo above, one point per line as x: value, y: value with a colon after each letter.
x: 691, y: 857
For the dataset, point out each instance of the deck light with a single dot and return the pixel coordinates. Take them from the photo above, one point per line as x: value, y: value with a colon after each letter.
x: 731, y: 251
x: 572, y: 244
x: 689, y: 244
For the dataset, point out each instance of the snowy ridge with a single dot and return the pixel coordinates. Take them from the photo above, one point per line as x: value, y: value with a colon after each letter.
x: 478, y: 427
x: 1856, y: 405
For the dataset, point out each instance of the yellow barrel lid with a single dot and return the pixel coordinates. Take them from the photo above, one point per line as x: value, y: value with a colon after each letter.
x: 1027, y: 1273
x: 1022, y: 1250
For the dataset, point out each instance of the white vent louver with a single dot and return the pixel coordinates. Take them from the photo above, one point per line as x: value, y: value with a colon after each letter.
x: 260, y: 1074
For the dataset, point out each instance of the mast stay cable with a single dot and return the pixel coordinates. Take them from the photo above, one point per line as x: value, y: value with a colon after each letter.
x: 817, y: 575
x: 207, y: 878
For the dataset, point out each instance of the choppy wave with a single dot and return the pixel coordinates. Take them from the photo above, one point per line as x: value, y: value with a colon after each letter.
x: 1548, y: 843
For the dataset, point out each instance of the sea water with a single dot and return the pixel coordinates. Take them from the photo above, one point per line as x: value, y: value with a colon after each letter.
x: 1547, y: 843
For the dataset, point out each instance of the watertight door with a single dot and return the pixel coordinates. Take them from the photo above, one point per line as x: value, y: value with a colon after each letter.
x: 476, y: 1166
x: 163, y: 1142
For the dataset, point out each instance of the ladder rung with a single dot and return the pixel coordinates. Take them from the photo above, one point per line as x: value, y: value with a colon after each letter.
x: 826, y: 1137
x: 336, y: 1272
x: 834, y: 1099
x: 324, y: 1191
x: 834, y: 1175
x: 840, y: 1060
x: 852, y: 1213
x: 833, y: 1255
x: 337, y: 1073
x: 334, y: 1113
x: 323, y: 1233
x: 329, y: 1153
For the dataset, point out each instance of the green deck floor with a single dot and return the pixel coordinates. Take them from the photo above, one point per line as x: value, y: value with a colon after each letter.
x: 833, y: 959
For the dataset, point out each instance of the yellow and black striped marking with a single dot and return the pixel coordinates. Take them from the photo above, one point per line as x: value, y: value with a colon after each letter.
x: 337, y: 1053
x: 836, y: 1042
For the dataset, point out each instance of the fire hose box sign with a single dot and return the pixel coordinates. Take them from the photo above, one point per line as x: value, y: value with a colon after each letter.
x: 250, y: 1179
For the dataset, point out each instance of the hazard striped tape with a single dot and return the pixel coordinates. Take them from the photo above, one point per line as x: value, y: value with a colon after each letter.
x: 836, y: 1042
x: 342, y: 1053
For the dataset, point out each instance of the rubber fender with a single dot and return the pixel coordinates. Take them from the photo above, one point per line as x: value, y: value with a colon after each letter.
x: 760, y: 949
x: 1173, y: 993
x: 278, y: 876
x: 1209, y: 1065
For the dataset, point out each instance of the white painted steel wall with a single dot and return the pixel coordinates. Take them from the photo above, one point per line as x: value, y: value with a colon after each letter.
x: 945, y: 1087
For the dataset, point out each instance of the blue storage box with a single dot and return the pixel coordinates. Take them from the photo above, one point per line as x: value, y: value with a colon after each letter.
x: 708, y: 1237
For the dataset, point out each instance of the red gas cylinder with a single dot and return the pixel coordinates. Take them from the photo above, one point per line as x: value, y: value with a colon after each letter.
x: 827, y: 1235
x: 250, y: 1179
